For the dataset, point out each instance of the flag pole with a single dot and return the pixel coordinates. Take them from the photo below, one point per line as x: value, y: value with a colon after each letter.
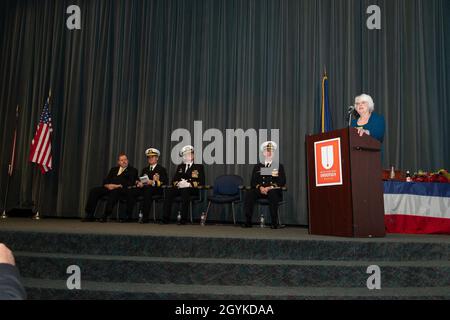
x: 37, y: 215
x: 37, y: 193
x: 4, y: 214
x: 10, y: 166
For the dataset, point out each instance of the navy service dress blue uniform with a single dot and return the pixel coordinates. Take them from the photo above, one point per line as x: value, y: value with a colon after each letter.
x: 148, y: 191
x: 272, y: 182
x: 188, y: 177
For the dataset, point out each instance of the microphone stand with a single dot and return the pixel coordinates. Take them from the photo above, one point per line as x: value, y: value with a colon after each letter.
x: 349, y: 114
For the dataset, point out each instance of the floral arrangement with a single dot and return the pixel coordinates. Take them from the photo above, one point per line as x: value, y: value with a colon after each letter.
x: 441, y: 176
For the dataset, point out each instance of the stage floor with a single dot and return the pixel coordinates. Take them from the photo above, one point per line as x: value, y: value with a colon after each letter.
x: 134, y: 261
x: 55, y: 225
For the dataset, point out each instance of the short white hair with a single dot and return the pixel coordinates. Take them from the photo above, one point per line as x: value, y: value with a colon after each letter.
x: 366, y: 98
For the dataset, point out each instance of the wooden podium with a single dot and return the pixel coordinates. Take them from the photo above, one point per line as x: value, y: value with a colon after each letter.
x: 345, y: 189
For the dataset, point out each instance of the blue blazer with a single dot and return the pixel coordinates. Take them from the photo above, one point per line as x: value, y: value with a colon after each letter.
x: 376, y: 126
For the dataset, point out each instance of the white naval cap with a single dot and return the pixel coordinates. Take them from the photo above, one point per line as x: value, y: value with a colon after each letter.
x: 152, y: 152
x: 269, y: 145
x: 186, y: 150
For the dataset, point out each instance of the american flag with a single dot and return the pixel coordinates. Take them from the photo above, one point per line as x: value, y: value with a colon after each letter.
x: 41, y: 146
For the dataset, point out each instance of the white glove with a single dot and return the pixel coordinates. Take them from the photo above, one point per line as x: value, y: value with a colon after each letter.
x: 183, y: 184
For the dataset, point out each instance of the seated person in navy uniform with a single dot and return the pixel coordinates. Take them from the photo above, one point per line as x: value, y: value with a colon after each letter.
x: 187, y: 178
x: 154, y: 177
x: 114, y: 186
x: 266, y: 186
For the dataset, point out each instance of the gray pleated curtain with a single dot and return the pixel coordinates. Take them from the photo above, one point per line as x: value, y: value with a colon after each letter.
x: 140, y: 69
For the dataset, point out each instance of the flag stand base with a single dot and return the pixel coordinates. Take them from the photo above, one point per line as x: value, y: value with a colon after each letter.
x: 4, y: 215
x: 37, y: 216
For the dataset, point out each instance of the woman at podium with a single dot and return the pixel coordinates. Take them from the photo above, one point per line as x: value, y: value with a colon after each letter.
x: 368, y: 122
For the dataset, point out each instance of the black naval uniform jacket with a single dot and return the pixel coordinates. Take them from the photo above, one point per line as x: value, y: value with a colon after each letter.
x: 195, y: 175
x: 276, y: 180
x: 163, y: 178
x: 126, y: 179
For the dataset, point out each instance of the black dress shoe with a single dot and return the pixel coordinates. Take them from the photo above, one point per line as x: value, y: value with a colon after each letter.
x: 277, y: 226
x: 103, y: 220
x: 88, y: 219
x: 246, y: 225
x: 143, y: 221
x: 181, y: 223
x: 163, y: 222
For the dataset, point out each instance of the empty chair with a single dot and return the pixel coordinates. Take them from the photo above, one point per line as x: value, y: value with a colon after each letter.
x: 227, y: 189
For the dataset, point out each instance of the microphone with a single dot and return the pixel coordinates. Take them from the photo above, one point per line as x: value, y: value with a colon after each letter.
x: 350, y: 113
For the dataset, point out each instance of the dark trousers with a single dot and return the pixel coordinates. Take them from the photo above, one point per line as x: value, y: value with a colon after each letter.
x: 147, y: 193
x: 112, y: 196
x: 186, y: 194
x: 251, y: 196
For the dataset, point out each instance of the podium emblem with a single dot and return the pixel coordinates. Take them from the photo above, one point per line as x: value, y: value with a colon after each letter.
x: 327, y: 157
x: 328, y: 167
